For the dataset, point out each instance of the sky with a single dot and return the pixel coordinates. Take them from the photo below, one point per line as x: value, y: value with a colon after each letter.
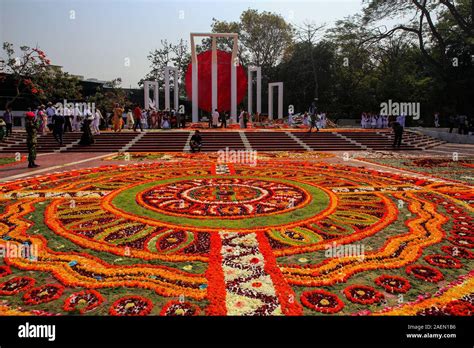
x: 106, y: 39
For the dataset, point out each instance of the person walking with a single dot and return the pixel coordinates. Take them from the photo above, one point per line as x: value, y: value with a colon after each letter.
x: 215, y: 118
x: 8, y: 118
x: 137, y: 115
x: 398, y: 134
x: 42, y: 119
x: 67, y: 119
x: 58, y: 128
x: 31, y: 126
x: 183, y: 119
x: 451, y: 123
x: 87, y: 138
x: 130, y: 122
x: 224, y: 120
x: 76, y: 118
x: 313, y: 119
x: 96, y: 123
x: 117, y: 118
x: 241, y: 118
x: 436, y: 120
x: 144, y: 120
x: 462, y: 124
x: 178, y: 119
x: 3, y: 129
x: 50, y: 112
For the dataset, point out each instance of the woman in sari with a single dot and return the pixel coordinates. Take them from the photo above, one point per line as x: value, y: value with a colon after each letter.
x: 117, y: 120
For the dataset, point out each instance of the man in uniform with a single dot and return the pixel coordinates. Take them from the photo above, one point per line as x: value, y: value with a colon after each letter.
x: 31, y: 127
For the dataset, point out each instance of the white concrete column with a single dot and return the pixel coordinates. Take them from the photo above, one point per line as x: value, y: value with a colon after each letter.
x: 169, y: 69
x: 146, y: 91
x: 176, y: 89
x: 270, y: 102
x: 157, y: 96
x: 259, y: 90
x: 167, y: 88
x: 279, y: 85
x: 258, y: 71
x: 280, y: 101
x: 146, y: 94
x: 233, y: 81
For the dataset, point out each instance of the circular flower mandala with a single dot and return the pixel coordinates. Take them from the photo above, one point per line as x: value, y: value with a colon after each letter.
x: 443, y: 261
x: 131, y: 306
x: 83, y: 301
x: 16, y: 285
x: 43, y: 294
x: 363, y: 294
x: 322, y: 301
x: 393, y: 284
x: 176, y: 308
x: 426, y: 273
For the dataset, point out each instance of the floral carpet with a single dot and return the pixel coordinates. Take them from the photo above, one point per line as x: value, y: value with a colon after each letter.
x: 459, y: 169
x: 178, y: 156
x: 202, y: 238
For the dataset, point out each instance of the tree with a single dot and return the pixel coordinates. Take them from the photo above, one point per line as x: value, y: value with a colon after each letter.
x: 443, y: 32
x: 108, y: 95
x: 168, y: 54
x: 266, y: 36
x: 308, y: 34
x: 59, y: 85
x: 225, y: 43
x: 24, y: 70
x: 33, y: 74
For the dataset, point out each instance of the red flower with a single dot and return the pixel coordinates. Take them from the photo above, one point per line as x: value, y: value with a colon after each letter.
x: 43, y: 294
x: 131, y: 306
x: 443, y: 261
x: 16, y: 285
x: 363, y: 294
x: 85, y: 300
x: 457, y: 252
x: 426, y: 273
x: 322, y: 301
x: 393, y: 284
x: 177, y: 308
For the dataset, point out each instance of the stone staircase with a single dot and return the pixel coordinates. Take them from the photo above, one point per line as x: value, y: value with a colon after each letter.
x: 178, y: 141
x: 161, y: 142
x: 417, y: 140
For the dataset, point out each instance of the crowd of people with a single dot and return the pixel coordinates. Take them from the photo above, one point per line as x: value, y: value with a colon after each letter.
x: 463, y: 124
x: 373, y: 121
x: 89, y: 120
x: 134, y: 118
